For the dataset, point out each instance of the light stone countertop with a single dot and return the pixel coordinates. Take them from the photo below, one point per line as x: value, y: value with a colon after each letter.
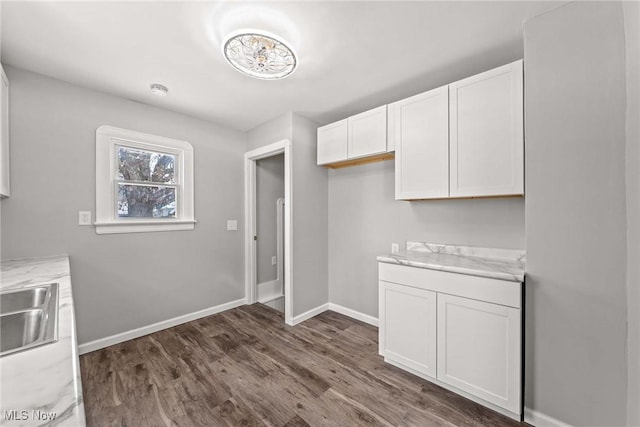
x: 45, y: 379
x: 502, y: 264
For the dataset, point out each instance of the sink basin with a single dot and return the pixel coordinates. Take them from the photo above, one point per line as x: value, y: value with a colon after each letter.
x: 20, y: 329
x: 23, y: 299
x: 28, y: 318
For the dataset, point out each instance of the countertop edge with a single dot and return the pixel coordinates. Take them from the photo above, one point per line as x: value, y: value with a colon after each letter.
x: 389, y: 259
x: 45, y: 379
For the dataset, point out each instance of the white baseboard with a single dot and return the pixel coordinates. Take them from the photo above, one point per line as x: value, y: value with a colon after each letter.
x: 268, y: 291
x: 155, y: 327
x: 309, y: 314
x: 539, y: 419
x: 354, y: 314
x: 270, y: 298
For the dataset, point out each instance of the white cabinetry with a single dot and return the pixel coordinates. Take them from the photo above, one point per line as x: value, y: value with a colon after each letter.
x: 461, y: 140
x: 409, y: 316
x: 479, y: 349
x: 332, y: 142
x: 368, y: 133
x: 487, y: 133
x: 357, y: 137
x: 421, y: 136
x: 5, y: 187
x: 461, y: 332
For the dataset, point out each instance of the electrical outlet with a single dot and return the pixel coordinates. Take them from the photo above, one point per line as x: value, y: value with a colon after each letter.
x: 84, y: 218
x: 232, y: 225
x: 274, y: 260
x: 395, y: 248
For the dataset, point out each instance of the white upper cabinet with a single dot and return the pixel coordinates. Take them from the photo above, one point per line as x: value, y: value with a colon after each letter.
x: 368, y: 133
x: 332, y: 142
x: 487, y: 134
x: 357, y: 137
x: 5, y: 188
x: 421, y: 138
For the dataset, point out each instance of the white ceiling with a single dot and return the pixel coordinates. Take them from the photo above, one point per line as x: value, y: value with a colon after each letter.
x: 352, y: 55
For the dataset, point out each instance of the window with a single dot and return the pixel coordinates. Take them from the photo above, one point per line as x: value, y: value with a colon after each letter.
x: 143, y: 182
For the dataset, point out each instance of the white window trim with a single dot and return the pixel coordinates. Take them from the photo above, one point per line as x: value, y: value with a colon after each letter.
x: 107, y: 222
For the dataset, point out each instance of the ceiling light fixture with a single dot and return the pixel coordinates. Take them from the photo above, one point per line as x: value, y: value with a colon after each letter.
x: 259, y: 55
x: 158, y: 89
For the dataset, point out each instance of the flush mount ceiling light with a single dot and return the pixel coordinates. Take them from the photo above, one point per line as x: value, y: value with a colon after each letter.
x: 158, y: 89
x: 259, y: 55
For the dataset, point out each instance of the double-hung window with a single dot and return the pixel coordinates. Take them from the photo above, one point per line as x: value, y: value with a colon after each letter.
x: 143, y: 182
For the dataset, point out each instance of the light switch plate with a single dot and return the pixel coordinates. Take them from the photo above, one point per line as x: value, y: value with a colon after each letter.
x: 395, y: 248
x: 84, y: 218
x: 274, y: 260
x: 232, y: 225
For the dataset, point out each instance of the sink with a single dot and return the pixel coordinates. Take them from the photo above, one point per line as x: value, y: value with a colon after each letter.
x: 20, y: 329
x: 23, y: 299
x: 28, y: 318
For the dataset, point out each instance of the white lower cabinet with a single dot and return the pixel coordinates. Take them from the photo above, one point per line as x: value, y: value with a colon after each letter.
x: 409, y: 316
x: 461, y: 332
x: 479, y: 349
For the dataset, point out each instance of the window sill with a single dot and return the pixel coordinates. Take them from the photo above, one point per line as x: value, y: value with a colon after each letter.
x: 143, y: 226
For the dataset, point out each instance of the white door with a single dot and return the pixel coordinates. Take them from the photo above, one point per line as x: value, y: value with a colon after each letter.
x: 421, y: 139
x: 408, y: 327
x: 332, y: 142
x: 368, y: 133
x: 479, y: 349
x: 487, y: 133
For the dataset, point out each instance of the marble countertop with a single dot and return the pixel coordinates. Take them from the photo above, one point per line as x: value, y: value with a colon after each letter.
x: 502, y: 264
x: 44, y: 380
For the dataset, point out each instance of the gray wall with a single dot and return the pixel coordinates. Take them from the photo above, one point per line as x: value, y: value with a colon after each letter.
x: 310, y: 208
x: 365, y: 218
x: 632, y: 37
x: 269, y: 188
x: 309, y: 181
x: 271, y: 131
x: 576, y: 363
x: 120, y: 281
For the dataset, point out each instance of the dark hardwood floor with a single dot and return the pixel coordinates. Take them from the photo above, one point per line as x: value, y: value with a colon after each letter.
x: 246, y: 367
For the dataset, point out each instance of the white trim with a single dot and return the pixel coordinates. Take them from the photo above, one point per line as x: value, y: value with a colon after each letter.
x: 353, y: 314
x: 311, y: 313
x: 270, y: 298
x: 155, y: 327
x: 142, y: 226
x: 539, y: 419
x: 107, y: 222
x: 267, y: 291
x: 250, y: 159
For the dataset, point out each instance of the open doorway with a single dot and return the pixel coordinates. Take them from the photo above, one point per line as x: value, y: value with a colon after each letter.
x: 268, y: 227
x: 270, y: 231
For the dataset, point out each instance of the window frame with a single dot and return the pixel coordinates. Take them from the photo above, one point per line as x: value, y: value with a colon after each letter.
x: 108, y: 139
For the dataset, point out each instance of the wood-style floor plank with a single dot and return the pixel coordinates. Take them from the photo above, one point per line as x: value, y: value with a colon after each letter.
x: 246, y: 367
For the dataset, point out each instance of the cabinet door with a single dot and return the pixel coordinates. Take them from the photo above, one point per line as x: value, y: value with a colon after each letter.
x: 332, y: 142
x: 479, y: 349
x: 5, y: 188
x: 421, y: 140
x: 368, y: 133
x: 486, y: 130
x: 408, y: 327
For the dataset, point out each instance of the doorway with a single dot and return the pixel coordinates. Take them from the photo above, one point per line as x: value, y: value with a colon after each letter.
x: 268, y: 227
